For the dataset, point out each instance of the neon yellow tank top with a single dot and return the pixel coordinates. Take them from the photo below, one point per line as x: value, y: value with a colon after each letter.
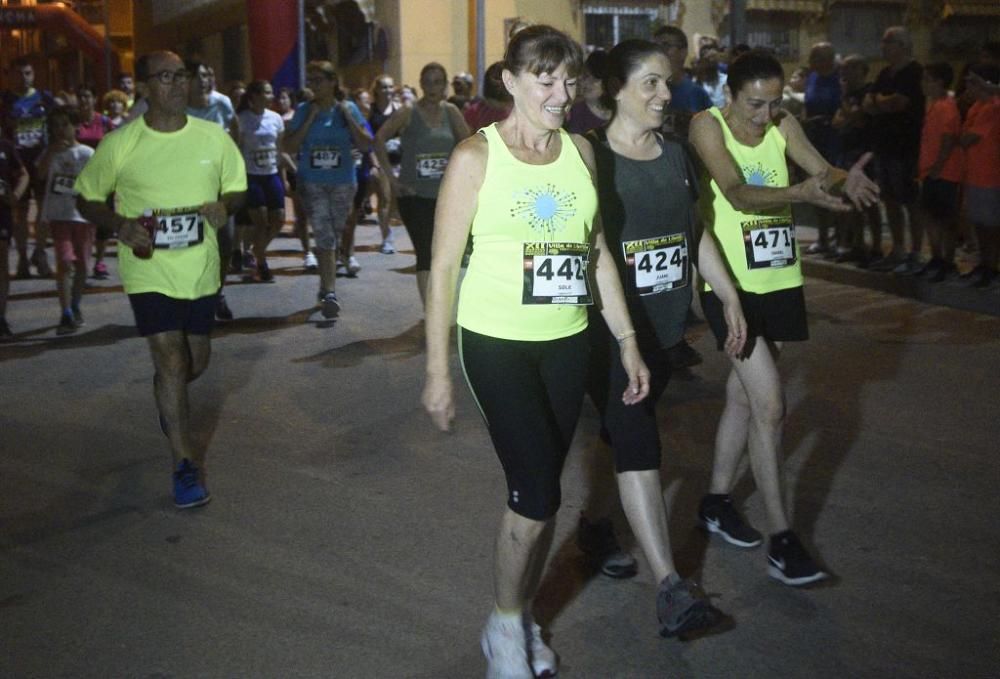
x: 760, y: 248
x: 524, y: 210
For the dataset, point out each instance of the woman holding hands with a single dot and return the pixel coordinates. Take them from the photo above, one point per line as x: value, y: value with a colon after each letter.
x: 524, y: 190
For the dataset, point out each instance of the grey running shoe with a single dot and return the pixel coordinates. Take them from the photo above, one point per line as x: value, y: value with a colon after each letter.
x: 682, y: 607
x: 66, y: 325
x: 598, y: 542
x: 329, y: 305
x: 505, y: 647
x: 717, y: 515
x: 683, y: 355
x: 790, y: 563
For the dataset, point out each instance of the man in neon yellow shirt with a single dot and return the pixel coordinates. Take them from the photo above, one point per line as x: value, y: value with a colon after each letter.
x: 191, y: 175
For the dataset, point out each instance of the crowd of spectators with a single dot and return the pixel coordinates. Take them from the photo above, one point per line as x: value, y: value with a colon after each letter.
x: 933, y: 134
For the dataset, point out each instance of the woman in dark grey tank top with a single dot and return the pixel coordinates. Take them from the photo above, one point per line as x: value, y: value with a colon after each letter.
x: 429, y: 131
x: 647, y: 189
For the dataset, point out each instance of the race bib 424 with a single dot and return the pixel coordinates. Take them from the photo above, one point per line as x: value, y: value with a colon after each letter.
x: 654, y: 265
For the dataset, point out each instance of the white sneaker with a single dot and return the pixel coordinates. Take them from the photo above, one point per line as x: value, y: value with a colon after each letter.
x: 544, y: 662
x: 503, y: 644
x: 352, y: 266
x: 309, y: 262
x: 341, y: 268
x: 388, y: 248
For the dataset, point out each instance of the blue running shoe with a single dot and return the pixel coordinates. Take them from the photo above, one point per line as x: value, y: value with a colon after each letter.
x: 188, y: 489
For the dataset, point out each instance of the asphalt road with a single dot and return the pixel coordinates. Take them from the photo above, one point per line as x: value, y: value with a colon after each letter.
x: 348, y: 538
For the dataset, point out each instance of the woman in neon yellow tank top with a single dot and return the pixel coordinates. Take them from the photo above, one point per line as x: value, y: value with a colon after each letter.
x: 524, y: 189
x: 746, y: 205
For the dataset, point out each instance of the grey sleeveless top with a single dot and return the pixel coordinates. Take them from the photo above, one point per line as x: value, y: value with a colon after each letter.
x: 425, y: 153
x: 647, y: 209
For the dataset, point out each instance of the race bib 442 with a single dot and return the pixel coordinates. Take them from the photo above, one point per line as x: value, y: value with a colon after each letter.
x: 556, y: 273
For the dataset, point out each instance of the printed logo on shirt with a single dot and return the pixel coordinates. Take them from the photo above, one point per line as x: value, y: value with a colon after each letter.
x: 547, y: 210
x: 756, y: 174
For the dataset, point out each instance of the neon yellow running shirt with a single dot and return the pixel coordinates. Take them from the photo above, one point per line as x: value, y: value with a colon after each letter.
x: 171, y: 173
x: 529, y: 223
x: 760, y: 249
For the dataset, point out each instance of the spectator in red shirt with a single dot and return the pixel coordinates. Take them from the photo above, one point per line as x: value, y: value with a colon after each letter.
x: 981, y: 140
x: 495, y: 103
x: 940, y: 170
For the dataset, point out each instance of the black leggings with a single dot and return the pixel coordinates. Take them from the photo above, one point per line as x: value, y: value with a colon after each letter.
x: 418, y: 217
x: 530, y: 394
x: 631, y: 430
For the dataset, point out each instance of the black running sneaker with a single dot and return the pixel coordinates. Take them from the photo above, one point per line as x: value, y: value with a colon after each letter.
x: 264, y: 272
x: 718, y: 515
x: 598, y: 542
x: 790, y: 563
x: 682, y: 607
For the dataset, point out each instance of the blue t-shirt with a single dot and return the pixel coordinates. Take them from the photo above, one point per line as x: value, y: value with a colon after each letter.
x: 219, y: 110
x: 822, y: 94
x: 822, y: 101
x: 24, y: 120
x: 687, y: 95
x: 325, y: 154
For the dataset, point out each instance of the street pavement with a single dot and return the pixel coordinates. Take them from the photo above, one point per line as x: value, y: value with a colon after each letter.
x: 349, y: 538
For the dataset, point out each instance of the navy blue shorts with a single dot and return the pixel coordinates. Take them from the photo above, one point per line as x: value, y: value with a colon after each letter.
x: 265, y: 190
x: 156, y: 313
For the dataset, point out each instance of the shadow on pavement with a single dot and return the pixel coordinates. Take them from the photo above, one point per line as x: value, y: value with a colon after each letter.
x: 405, y: 345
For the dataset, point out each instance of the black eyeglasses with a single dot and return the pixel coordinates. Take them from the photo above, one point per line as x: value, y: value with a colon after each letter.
x: 171, y: 77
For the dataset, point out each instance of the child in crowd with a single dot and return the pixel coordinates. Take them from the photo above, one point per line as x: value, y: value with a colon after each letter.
x: 73, y: 236
x: 940, y: 170
x: 981, y: 140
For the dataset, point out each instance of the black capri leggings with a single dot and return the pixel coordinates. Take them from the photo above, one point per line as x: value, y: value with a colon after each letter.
x: 418, y: 217
x: 530, y: 394
x: 630, y: 430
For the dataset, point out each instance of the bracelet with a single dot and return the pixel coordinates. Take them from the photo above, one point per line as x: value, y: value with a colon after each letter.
x: 624, y: 336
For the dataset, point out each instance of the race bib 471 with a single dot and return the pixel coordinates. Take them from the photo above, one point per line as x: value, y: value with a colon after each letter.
x: 769, y: 242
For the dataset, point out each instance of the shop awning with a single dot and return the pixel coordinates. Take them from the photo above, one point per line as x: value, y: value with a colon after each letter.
x: 801, y: 6
x: 60, y: 19
x: 970, y: 8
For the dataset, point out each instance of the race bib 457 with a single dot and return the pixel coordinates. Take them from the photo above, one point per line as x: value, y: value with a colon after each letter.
x: 178, y: 228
